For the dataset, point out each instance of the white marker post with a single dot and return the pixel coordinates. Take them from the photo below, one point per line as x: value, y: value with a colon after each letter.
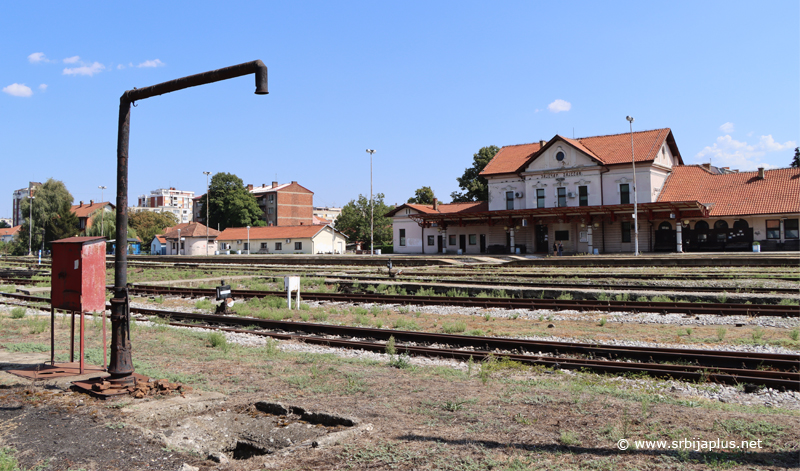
x: 292, y: 283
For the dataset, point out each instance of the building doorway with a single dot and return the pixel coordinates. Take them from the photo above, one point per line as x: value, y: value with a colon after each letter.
x: 462, y: 243
x: 541, y: 239
x: 483, y: 243
x: 439, y: 242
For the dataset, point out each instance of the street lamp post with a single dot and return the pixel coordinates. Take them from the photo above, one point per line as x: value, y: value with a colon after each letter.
x: 635, y: 198
x: 103, y: 213
x: 371, y: 211
x: 207, y: 174
x: 30, y: 223
x: 248, y: 240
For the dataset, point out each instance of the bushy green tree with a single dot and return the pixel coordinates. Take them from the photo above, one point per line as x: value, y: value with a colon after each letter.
x: 355, y: 217
x: 796, y: 159
x: 4, y: 225
x: 475, y: 187
x: 51, y: 212
x: 423, y: 195
x: 148, y: 224
x: 230, y: 204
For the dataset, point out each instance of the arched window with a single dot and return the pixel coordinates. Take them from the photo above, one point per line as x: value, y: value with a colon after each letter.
x: 560, y: 156
x: 665, y: 226
x: 721, y: 224
x: 740, y: 224
x: 701, y: 226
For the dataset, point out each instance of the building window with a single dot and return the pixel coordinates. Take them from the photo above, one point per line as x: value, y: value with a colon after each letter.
x: 562, y: 197
x: 402, y: 237
x: 583, y: 196
x: 509, y: 200
x: 264, y: 245
x: 271, y: 198
x: 298, y: 246
x: 452, y: 240
x: 624, y: 194
x: 582, y: 236
x: 665, y: 226
x: 562, y: 235
x: 791, y: 229
x: 540, y: 198
x: 246, y: 246
x: 473, y: 239
x: 773, y: 229
x: 560, y: 156
x: 430, y: 240
x: 270, y: 210
x: 721, y: 224
x: 278, y: 245
x: 740, y: 224
x: 626, y: 231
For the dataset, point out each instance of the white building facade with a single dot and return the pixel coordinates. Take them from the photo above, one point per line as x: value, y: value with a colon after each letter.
x: 171, y: 200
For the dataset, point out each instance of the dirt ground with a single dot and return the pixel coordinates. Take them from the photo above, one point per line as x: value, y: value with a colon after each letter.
x: 492, y: 416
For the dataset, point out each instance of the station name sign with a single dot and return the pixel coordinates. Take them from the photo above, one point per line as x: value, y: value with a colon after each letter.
x: 575, y: 173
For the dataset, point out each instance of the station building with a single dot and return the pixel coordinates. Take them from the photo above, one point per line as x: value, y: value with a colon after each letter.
x: 579, y: 192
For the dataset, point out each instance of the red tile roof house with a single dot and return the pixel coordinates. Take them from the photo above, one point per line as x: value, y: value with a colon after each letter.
x: 7, y: 234
x: 305, y: 239
x: 579, y: 192
x: 192, y: 239
x: 84, y: 212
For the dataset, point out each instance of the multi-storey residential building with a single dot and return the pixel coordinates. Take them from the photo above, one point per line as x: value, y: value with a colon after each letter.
x: 327, y: 213
x: 19, y: 195
x: 580, y: 193
x: 288, y: 204
x: 162, y: 200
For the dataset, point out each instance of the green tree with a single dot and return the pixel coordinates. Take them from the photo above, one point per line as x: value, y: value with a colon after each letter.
x: 4, y: 225
x: 104, y: 224
x: 51, y: 212
x: 231, y: 205
x: 148, y: 224
x: 355, y: 217
x: 475, y: 187
x: 423, y: 195
x: 796, y: 159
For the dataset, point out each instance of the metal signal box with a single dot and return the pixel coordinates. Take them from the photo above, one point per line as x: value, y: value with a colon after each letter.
x: 78, y: 279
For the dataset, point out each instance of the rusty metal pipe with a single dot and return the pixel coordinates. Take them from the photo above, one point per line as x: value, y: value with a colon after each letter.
x: 121, y: 365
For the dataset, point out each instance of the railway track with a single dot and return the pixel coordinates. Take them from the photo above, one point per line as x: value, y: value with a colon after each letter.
x: 772, y: 370
x: 506, y: 303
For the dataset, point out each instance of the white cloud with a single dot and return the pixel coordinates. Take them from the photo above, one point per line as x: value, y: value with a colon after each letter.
x: 18, y: 89
x: 43, y: 87
x: 727, y: 128
x: 37, y: 57
x: 153, y: 63
x: 728, y: 152
x: 559, y: 106
x: 89, y: 70
x: 72, y: 60
x: 120, y: 66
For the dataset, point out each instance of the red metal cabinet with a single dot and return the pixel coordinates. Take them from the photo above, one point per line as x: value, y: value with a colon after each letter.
x: 78, y: 279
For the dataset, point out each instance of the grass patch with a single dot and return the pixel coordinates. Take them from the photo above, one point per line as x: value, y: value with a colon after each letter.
x: 405, y: 324
x: 218, y: 340
x: 18, y: 313
x: 27, y: 347
x: 454, y: 327
x: 204, y: 304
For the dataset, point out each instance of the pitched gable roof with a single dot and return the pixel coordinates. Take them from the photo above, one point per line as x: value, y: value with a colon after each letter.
x: 192, y: 229
x: 608, y: 150
x: 86, y: 210
x: 9, y: 231
x: 735, y: 194
x: 272, y: 232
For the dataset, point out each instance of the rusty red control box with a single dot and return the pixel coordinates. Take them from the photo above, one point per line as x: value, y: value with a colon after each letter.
x: 78, y: 276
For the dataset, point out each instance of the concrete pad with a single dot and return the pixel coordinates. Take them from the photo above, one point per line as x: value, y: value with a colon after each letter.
x: 15, y: 360
x: 195, y: 403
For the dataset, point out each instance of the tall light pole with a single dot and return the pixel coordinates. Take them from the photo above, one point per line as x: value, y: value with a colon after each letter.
x: 30, y: 223
x: 103, y: 213
x: 371, y: 211
x: 207, y: 174
x: 179, y: 241
x: 248, y: 240
x: 635, y: 198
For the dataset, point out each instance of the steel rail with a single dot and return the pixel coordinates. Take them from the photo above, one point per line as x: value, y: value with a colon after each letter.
x: 719, y: 366
x: 507, y: 303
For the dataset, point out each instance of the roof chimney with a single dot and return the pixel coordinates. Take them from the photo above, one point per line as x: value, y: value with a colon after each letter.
x: 263, y: 185
x: 707, y: 166
x: 91, y: 202
x: 542, y: 143
x: 435, y: 204
x: 294, y: 181
x: 274, y: 184
x: 80, y: 205
x: 761, y: 173
x: 249, y: 186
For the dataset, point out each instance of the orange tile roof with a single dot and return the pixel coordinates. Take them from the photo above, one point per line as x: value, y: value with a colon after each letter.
x: 608, y: 150
x: 86, y: 210
x: 192, y: 229
x: 271, y: 232
x: 318, y: 221
x: 6, y: 231
x: 443, y: 208
x: 734, y: 194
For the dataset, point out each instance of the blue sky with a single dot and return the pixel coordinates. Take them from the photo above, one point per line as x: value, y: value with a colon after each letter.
x: 426, y: 84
